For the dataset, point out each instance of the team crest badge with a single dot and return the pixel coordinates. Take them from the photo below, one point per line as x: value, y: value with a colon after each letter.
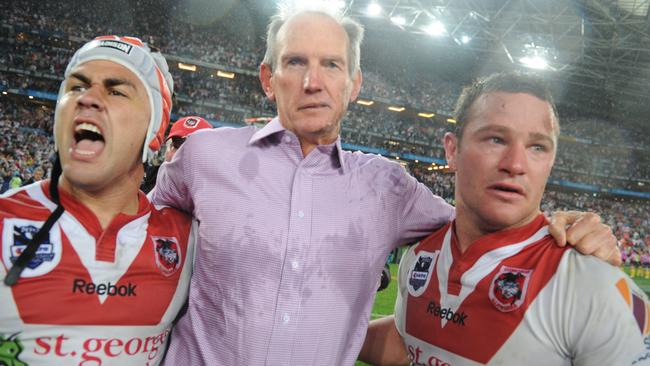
x: 420, y: 273
x: 168, y: 254
x: 508, y: 288
x: 17, y: 233
x: 191, y: 122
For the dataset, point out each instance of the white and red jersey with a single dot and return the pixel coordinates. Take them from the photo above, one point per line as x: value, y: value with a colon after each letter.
x: 516, y: 298
x: 91, y: 296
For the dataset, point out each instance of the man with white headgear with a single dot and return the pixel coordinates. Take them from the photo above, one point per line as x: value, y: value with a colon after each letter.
x: 93, y: 272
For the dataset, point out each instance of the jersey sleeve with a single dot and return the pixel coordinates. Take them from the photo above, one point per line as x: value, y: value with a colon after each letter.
x: 607, y: 318
x: 402, y: 291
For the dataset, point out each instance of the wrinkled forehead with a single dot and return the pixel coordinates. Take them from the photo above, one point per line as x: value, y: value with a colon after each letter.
x: 315, y: 26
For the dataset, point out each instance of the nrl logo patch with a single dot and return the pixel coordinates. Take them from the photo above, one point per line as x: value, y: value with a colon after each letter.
x: 168, y: 254
x: 420, y: 273
x: 17, y: 233
x: 508, y: 288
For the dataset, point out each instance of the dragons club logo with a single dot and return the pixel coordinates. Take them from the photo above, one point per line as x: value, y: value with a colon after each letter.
x: 168, y: 254
x: 508, y: 288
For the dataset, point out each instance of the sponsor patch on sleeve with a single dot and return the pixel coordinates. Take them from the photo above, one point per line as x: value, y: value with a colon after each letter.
x: 420, y: 272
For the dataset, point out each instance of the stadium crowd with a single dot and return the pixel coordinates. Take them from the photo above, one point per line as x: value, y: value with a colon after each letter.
x: 25, y: 143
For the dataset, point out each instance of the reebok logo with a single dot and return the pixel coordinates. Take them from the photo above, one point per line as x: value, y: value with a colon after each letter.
x: 436, y: 310
x: 89, y: 288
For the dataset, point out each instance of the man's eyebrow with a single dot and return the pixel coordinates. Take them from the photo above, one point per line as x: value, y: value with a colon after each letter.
x: 492, y: 128
x: 109, y: 83
x: 81, y: 77
x: 536, y: 136
x: 289, y: 56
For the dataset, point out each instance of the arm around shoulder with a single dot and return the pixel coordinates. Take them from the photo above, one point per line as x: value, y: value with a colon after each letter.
x: 383, y: 344
x: 422, y: 211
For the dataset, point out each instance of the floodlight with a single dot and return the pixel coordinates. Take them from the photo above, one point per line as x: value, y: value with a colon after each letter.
x: 534, y: 62
x: 436, y: 29
x: 374, y: 9
x: 398, y: 20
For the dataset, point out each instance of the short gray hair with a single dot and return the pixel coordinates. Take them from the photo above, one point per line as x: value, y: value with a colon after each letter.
x: 353, y: 29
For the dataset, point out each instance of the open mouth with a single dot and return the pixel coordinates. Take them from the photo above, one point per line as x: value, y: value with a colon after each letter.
x: 89, y: 140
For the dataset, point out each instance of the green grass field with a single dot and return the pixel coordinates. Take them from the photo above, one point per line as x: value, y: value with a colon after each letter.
x: 385, y: 301
x: 643, y: 283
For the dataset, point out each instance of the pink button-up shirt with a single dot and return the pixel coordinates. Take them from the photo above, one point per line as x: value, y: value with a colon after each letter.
x: 290, y: 248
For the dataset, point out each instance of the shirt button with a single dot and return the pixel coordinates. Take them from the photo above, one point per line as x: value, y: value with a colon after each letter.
x: 295, y: 265
x: 287, y: 139
x: 286, y: 318
x: 301, y: 214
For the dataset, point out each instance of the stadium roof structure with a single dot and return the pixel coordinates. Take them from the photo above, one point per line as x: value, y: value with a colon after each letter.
x: 597, y: 52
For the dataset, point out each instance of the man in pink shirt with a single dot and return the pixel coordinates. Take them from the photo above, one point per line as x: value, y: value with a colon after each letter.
x: 294, y: 230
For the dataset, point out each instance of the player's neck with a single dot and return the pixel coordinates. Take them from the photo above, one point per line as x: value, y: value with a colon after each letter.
x: 466, y: 233
x: 108, y: 202
x: 469, y: 227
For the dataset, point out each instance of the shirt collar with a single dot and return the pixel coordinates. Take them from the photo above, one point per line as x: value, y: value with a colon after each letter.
x: 269, y: 129
x: 88, y: 218
x: 275, y: 126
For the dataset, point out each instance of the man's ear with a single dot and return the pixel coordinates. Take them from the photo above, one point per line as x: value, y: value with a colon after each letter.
x: 356, y: 86
x: 451, y: 149
x: 265, y: 79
